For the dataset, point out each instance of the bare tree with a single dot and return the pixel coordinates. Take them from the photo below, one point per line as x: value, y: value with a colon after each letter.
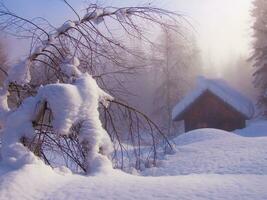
x: 3, y: 61
x: 176, y: 58
x: 259, y: 12
x: 99, y: 40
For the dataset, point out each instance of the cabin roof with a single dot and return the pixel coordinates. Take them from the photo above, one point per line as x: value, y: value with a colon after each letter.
x: 220, y: 89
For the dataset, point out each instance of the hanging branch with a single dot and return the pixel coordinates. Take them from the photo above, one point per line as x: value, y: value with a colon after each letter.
x: 103, y: 53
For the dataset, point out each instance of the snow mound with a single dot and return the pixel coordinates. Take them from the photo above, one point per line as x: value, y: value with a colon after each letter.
x: 18, y: 124
x: 34, y: 182
x: 209, y: 164
x: 201, y: 135
x: 29, y: 182
x: 210, y: 151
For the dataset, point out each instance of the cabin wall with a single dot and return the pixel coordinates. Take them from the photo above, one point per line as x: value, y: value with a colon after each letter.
x: 210, y: 111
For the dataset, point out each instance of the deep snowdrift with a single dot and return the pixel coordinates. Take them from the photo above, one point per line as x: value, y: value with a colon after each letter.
x: 208, y: 164
x: 40, y: 182
x: 211, y: 151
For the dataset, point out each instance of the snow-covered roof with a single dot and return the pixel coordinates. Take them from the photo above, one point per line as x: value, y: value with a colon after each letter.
x: 220, y: 89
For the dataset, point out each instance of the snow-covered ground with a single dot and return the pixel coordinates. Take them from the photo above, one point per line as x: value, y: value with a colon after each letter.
x: 254, y: 129
x: 42, y: 183
x: 210, y: 151
x: 208, y: 164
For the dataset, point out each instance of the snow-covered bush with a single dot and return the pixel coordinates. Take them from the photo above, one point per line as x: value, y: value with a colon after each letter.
x: 56, y: 90
x: 70, y: 104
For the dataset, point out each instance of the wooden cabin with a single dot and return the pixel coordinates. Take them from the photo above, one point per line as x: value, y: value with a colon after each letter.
x: 213, y: 104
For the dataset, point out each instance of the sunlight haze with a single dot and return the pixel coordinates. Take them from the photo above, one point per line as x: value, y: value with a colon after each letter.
x: 221, y: 27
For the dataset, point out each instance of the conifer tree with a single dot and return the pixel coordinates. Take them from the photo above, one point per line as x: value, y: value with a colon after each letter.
x: 259, y: 56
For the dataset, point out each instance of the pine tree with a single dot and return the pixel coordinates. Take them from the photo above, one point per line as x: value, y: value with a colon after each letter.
x: 259, y: 56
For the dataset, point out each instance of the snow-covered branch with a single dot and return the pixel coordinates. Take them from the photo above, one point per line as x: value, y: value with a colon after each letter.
x: 56, y: 96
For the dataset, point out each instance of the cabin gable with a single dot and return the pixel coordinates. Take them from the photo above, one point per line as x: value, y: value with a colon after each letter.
x: 213, y: 104
x: 209, y: 111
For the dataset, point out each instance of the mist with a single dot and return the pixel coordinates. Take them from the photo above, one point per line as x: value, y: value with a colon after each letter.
x: 221, y: 31
x: 224, y: 36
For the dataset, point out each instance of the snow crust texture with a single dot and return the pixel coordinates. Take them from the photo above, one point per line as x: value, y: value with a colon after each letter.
x: 211, y: 151
x: 208, y: 164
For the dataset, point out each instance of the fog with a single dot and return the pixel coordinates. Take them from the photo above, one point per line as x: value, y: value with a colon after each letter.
x: 222, y: 28
x: 218, y: 46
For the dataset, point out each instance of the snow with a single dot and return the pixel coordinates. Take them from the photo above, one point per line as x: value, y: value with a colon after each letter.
x: 92, y: 134
x: 71, y: 104
x: 211, y: 151
x: 97, y: 15
x: 122, y: 186
x: 222, y: 90
x: 18, y: 124
x: 70, y: 67
x: 66, y: 26
x: 64, y: 101
x: 208, y: 164
x: 16, y: 156
x: 4, y: 109
x: 38, y: 49
x: 201, y: 135
x: 122, y: 14
x: 50, y: 40
x: 94, y: 14
x: 19, y: 73
x: 255, y: 128
x: 29, y: 182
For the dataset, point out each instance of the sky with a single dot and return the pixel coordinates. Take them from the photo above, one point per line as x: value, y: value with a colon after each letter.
x: 222, y: 27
